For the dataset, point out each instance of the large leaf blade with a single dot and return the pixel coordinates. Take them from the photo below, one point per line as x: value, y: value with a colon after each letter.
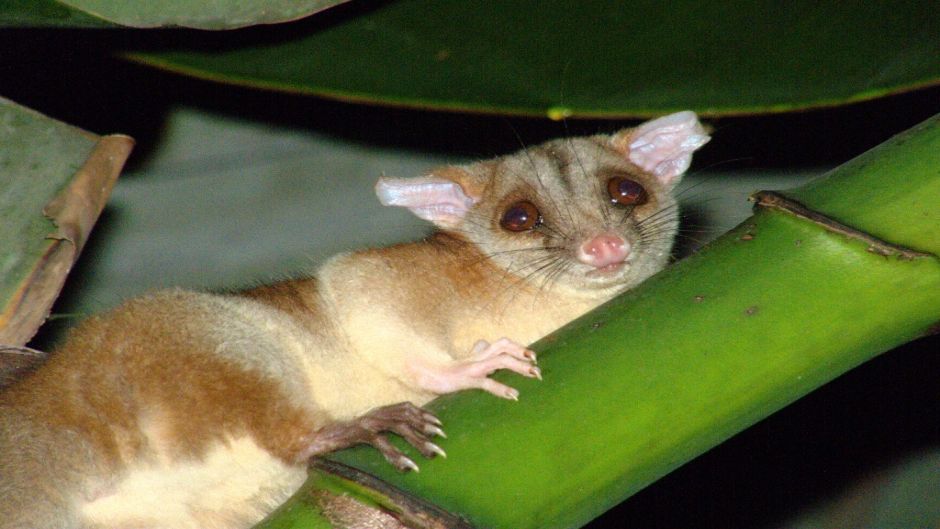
x: 202, y: 14
x: 595, y: 58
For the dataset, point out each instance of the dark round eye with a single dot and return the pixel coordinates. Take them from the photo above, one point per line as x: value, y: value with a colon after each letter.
x: 521, y: 216
x: 625, y: 192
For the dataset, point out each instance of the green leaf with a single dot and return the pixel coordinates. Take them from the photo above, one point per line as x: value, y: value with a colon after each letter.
x: 202, y: 14
x: 54, y: 180
x: 46, y: 13
x: 772, y: 310
x: 591, y: 58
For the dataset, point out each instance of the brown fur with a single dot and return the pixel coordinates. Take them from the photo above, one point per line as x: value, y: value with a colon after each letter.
x: 297, y: 298
x: 101, y: 386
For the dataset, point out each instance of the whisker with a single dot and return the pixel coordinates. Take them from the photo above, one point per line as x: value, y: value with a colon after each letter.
x: 666, y: 219
x: 662, y: 221
x: 525, y: 279
x: 678, y: 194
x: 532, y: 164
x: 559, y: 233
x: 551, y: 200
x: 699, y: 202
x: 535, y: 170
x: 687, y: 226
x: 667, y: 231
x: 584, y: 174
x: 659, y: 239
x: 698, y: 240
x: 534, y: 249
x: 565, y: 266
x: 671, y: 207
x: 661, y: 236
x: 547, y: 274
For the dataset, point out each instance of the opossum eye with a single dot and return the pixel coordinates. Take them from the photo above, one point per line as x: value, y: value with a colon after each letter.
x: 625, y: 192
x: 521, y: 216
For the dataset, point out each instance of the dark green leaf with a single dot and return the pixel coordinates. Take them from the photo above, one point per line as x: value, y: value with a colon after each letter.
x: 591, y: 58
x: 45, y: 13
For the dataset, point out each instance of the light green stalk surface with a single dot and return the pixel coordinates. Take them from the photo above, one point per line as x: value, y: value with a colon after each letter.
x: 769, y: 312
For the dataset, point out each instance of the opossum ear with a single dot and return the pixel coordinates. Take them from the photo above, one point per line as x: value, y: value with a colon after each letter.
x: 663, y: 147
x: 438, y: 197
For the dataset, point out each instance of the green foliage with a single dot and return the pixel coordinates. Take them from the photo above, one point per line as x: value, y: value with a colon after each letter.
x: 45, y: 13
x: 38, y: 158
x: 202, y: 14
x: 551, y: 58
x: 598, y: 58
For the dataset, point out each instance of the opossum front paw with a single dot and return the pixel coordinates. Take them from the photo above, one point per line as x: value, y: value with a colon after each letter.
x: 405, y: 419
x: 487, y: 358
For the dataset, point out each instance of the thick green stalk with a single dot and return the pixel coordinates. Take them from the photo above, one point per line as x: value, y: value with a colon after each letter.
x: 770, y: 311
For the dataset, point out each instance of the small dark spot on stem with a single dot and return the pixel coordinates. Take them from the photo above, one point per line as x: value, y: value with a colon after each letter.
x: 877, y: 251
x: 700, y: 298
x: 597, y: 325
x: 799, y: 242
x: 750, y: 311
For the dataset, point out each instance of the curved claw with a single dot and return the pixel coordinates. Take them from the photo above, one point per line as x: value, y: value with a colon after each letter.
x: 404, y: 419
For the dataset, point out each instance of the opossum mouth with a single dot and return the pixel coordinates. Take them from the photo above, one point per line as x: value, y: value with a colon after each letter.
x: 606, y: 271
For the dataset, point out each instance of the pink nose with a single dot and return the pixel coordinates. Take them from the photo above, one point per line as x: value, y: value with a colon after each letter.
x: 604, y: 250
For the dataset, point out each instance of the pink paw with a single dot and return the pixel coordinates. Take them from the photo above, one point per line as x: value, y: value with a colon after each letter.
x: 487, y: 359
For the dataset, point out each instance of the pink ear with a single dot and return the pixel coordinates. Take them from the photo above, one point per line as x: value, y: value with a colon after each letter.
x: 438, y: 200
x: 663, y: 147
